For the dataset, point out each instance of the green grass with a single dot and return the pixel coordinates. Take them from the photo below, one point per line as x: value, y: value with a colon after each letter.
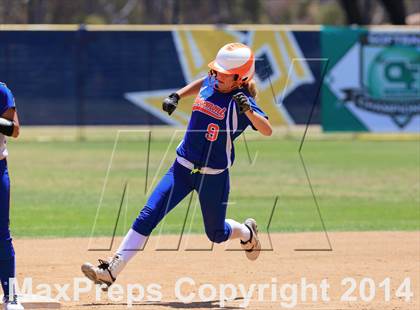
x: 359, y: 184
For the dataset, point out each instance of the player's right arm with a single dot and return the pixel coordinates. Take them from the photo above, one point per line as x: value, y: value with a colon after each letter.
x: 191, y: 89
x: 171, y: 102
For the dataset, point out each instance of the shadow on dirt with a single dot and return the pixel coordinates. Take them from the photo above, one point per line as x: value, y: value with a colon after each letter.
x: 171, y: 305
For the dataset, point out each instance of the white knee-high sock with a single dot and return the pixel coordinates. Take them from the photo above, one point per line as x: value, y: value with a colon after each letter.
x: 238, y: 230
x: 133, y: 242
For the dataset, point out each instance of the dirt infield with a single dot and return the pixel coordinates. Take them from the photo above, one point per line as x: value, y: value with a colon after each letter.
x: 375, y: 255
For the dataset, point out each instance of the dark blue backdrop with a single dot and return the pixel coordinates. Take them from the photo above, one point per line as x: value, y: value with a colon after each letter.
x: 79, y: 77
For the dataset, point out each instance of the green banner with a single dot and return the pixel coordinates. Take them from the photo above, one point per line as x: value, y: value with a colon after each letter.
x: 372, y: 81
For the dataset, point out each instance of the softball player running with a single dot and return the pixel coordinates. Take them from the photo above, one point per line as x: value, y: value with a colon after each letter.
x: 224, y: 108
x: 9, y: 126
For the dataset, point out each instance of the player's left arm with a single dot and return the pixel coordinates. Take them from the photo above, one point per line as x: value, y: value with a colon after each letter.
x: 259, y: 122
x: 9, y: 123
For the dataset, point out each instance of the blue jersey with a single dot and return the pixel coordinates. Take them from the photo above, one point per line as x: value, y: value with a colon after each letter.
x: 214, y: 124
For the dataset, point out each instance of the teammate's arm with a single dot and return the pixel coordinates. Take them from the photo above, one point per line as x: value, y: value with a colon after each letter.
x: 9, y: 123
x: 171, y: 102
x: 260, y: 123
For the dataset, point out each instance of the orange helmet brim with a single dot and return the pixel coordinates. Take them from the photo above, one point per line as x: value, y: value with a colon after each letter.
x: 216, y: 67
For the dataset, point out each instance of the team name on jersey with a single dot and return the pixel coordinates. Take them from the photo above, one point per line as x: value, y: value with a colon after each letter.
x: 209, y: 108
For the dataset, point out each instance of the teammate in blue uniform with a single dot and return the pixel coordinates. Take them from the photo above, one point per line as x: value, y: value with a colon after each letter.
x: 9, y: 126
x: 224, y: 107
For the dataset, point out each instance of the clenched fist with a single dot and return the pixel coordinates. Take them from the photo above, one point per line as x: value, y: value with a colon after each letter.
x: 242, y: 101
x: 170, y: 103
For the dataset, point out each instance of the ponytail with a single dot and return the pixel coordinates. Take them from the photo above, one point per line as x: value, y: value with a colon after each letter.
x: 251, y: 86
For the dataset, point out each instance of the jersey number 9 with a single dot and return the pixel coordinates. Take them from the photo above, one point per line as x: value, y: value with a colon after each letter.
x: 212, y: 132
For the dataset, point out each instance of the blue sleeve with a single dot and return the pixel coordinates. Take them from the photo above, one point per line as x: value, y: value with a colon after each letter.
x: 243, y: 120
x: 6, y: 99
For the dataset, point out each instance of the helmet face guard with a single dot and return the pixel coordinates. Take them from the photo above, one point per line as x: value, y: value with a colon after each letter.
x: 234, y: 58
